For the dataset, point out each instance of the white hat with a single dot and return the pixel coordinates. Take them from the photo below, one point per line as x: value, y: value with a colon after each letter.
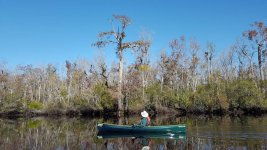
x: 144, y: 114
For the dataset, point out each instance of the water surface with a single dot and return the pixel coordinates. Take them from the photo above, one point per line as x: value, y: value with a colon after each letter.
x: 80, y: 133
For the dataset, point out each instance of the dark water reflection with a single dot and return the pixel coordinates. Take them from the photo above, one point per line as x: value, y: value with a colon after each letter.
x: 80, y: 133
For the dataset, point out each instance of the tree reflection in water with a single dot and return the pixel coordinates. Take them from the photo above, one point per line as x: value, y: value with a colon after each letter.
x: 143, y: 144
x: 81, y: 133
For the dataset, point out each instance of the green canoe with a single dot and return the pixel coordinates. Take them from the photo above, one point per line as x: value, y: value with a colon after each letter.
x: 148, y: 129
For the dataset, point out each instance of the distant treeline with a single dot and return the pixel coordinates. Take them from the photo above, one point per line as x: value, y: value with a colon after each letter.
x: 187, y: 78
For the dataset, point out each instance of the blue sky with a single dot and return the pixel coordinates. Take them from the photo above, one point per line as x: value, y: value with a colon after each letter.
x: 39, y: 32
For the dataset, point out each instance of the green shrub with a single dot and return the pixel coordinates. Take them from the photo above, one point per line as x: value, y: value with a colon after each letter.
x: 64, y: 93
x: 55, y: 105
x: 34, y: 105
x: 11, y: 102
x: 153, y: 93
x: 244, y: 94
x: 263, y: 85
x: 211, y: 97
x: 136, y: 102
x: 168, y: 97
x: 81, y: 103
x: 104, y: 97
x: 183, y: 99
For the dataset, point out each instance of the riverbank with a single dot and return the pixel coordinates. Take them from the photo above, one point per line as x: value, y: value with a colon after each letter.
x: 113, y: 113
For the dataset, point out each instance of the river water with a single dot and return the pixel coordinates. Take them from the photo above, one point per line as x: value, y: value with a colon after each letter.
x: 63, y: 133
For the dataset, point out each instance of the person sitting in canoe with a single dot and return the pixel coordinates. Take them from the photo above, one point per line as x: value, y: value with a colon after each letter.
x: 145, y: 120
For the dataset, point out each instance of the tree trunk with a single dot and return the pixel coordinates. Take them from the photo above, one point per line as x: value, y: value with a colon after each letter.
x: 260, y: 61
x: 39, y: 92
x: 69, y: 89
x: 126, y: 105
x: 120, y: 107
x: 251, y: 69
x: 161, y: 84
x: 210, y: 71
x: 143, y: 86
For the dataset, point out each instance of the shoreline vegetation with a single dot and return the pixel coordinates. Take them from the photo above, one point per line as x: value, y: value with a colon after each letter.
x: 186, y: 79
x: 113, y: 113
